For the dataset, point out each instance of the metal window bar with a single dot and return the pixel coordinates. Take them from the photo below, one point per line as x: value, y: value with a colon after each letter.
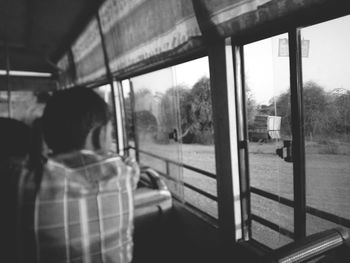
x: 190, y: 186
x: 122, y: 117
x: 201, y: 212
x: 242, y: 131
x: 299, y: 181
x: 273, y: 226
x: 208, y: 174
x: 310, y: 210
x: 109, y: 76
x: 134, y: 120
x: 187, y: 185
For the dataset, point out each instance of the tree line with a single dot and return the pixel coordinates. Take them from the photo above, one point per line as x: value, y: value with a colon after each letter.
x: 325, y: 113
x: 188, y: 111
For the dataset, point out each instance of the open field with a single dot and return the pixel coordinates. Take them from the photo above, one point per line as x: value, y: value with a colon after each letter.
x: 327, y: 182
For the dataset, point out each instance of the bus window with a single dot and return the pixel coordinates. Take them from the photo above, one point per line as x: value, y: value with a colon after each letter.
x: 268, y: 110
x: 105, y: 92
x: 197, y: 133
x: 326, y: 102
x: 153, y: 124
x: 174, y: 130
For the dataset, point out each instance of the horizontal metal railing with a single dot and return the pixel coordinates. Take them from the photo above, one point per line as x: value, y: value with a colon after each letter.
x: 206, y: 173
x: 273, y: 226
x: 194, y: 188
x: 290, y: 203
x: 185, y: 184
x: 285, y: 201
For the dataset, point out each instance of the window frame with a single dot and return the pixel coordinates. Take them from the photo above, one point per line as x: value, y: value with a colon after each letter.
x: 218, y: 62
x: 189, y: 206
x: 298, y: 145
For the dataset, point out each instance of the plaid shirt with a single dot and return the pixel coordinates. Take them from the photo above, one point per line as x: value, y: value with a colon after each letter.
x: 82, y: 211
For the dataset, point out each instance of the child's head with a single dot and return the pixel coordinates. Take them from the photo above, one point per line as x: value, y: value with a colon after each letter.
x: 75, y: 119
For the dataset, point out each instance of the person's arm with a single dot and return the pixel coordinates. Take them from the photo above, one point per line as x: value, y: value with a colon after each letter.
x: 135, y: 176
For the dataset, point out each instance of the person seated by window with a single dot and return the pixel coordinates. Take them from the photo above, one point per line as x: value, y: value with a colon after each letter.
x: 82, y: 210
x: 14, y: 156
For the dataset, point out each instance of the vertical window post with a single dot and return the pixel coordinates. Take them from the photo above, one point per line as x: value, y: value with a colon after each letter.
x: 298, y: 146
x: 123, y: 118
x: 242, y: 137
x: 120, y: 117
x: 109, y: 77
x: 134, y: 120
x: 225, y: 134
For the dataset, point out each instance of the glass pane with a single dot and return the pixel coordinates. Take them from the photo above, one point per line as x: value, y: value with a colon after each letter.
x: 197, y: 131
x: 157, y: 115
x: 174, y: 128
x: 326, y: 94
x: 269, y: 129
x: 105, y: 92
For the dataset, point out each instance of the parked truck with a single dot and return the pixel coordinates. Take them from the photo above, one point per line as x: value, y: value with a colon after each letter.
x: 264, y: 128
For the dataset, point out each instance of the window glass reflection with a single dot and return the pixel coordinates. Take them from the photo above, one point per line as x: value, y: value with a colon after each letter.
x: 174, y: 129
x: 268, y: 115
x: 326, y: 95
x: 105, y: 92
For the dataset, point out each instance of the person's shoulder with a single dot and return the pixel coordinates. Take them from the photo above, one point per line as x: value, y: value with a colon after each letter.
x: 121, y: 163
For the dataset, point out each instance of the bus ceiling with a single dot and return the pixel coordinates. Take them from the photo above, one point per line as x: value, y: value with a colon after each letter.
x: 77, y: 41
x: 35, y: 34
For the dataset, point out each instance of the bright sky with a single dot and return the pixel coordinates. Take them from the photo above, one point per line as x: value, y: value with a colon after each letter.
x: 267, y: 74
x: 183, y: 74
x: 328, y: 63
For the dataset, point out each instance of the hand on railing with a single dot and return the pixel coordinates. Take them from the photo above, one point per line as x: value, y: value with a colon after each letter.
x: 154, y: 177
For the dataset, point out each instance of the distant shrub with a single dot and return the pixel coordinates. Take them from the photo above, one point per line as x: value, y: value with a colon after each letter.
x: 204, y: 137
x: 188, y: 138
x: 329, y: 147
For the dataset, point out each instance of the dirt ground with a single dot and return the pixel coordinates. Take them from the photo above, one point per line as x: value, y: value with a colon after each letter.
x: 327, y: 183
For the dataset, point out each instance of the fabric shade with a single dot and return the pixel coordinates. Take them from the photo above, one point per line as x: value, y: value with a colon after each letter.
x: 142, y: 33
x: 88, y: 54
x: 139, y: 30
x: 226, y: 18
x: 67, y: 74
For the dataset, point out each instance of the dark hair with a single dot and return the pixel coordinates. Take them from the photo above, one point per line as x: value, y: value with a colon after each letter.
x: 70, y: 115
x: 14, y: 138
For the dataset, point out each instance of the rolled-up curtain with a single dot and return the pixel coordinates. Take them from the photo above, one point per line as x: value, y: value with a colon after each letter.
x: 66, y: 73
x: 224, y: 18
x: 88, y: 54
x: 140, y: 33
